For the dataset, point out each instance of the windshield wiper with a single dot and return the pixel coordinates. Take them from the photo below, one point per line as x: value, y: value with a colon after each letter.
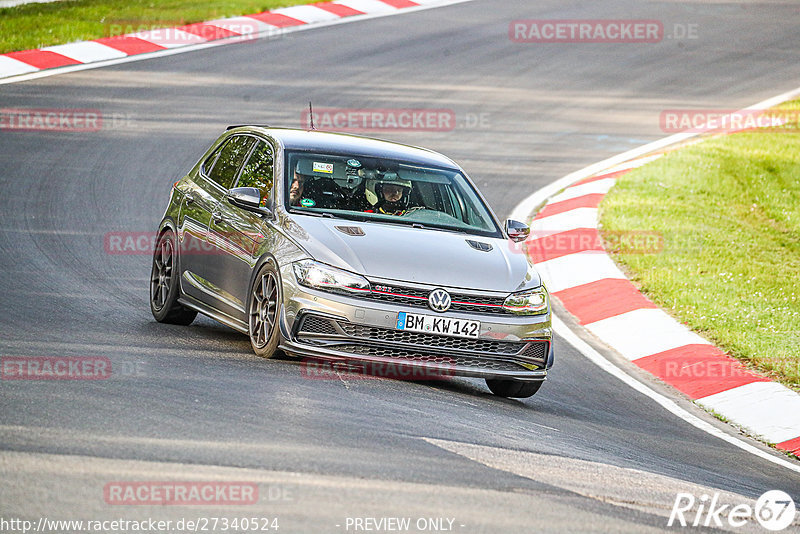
x: 313, y: 213
x: 352, y: 217
x: 329, y: 215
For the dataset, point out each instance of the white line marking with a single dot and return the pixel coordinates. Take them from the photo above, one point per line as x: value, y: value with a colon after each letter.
x: 627, y: 487
x: 169, y: 37
x: 597, y: 187
x: 241, y: 25
x: 595, y: 357
x: 222, y: 42
x: 308, y: 14
x: 14, y: 3
x: 769, y: 407
x: 86, y: 51
x: 563, y: 222
x: 577, y: 269
x: 635, y: 164
x: 643, y: 332
x: 13, y: 67
x: 367, y: 6
x: 524, y: 210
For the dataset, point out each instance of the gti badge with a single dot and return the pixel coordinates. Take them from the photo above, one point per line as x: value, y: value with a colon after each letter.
x: 439, y: 300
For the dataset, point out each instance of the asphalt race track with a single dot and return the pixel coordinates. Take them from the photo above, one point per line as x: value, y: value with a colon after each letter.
x: 193, y: 403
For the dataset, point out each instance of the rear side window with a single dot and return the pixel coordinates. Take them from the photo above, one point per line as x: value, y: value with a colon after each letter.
x: 230, y: 160
x: 257, y: 172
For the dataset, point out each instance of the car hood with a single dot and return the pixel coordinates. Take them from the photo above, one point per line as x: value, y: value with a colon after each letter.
x: 420, y: 255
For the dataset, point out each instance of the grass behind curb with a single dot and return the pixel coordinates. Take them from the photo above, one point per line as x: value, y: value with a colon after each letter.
x: 729, y: 213
x: 36, y: 25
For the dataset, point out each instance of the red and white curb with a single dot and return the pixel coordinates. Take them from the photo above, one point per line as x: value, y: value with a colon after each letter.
x: 163, y: 41
x: 566, y: 247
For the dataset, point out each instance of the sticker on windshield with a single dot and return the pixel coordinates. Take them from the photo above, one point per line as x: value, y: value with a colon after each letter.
x: 308, y: 203
x: 353, y: 163
x: 327, y: 168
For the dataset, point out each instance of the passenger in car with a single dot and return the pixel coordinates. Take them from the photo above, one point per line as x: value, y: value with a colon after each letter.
x: 296, y: 189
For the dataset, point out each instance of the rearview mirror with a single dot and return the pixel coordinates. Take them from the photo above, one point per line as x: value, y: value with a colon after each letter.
x: 517, y: 231
x: 248, y: 198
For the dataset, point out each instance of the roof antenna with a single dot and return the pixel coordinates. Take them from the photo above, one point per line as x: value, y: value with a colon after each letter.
x: 311, y: 115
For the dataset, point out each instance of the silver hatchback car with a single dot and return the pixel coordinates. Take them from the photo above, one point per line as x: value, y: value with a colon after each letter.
x: 352, y: 251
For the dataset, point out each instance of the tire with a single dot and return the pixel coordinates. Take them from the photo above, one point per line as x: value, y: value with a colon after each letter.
x: 164, y: 284
x: 514, y: 389
x: 262, y: 311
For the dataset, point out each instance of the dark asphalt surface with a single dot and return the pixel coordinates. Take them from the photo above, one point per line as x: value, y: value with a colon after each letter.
x: 196, y: 395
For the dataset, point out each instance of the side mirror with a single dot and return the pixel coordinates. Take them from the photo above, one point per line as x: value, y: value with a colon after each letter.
x: 517, y: 231
x: 248, y: 198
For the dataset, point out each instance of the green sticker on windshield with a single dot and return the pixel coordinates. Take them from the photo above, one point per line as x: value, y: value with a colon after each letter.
x: 307, y: 203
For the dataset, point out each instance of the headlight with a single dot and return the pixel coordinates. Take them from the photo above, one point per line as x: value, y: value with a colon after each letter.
x: 316, y: 275
x: 531, y: 302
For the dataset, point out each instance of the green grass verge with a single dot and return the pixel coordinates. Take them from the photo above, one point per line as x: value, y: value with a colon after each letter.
x: 36, y: 25
x: 728, y: 209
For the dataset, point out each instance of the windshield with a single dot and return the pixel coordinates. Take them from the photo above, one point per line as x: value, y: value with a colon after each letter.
x: 384, y: 190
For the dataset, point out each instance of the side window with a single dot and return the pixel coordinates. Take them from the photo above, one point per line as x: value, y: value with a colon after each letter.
x: 208, y: 164
x: 257, y: 172
x: 428, y: 193
x: 452, y: 202
x: 230, y: 160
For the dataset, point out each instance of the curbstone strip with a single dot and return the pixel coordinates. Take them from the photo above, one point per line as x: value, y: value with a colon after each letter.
x: 233, y: 29
x: 567, y: 248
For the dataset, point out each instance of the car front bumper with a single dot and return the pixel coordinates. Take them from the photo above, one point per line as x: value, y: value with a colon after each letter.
x: 348, y: 330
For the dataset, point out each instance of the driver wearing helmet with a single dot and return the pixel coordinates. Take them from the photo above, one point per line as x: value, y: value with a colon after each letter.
x: 393, y: 196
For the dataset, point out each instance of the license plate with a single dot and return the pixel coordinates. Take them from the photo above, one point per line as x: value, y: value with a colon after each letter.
x: 432, y: 324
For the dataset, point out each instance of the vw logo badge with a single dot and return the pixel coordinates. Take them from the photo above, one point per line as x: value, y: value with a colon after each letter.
x: 439, y: 300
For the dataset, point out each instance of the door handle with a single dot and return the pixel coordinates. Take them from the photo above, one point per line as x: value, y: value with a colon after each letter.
x: 189, y: 198
x: 218, y: 218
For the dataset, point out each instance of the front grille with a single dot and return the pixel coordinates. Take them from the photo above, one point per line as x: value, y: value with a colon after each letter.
x: 536, y: 350
x: 318, y: 325
x: 357, y: 339
x: 416, y: 338
x: 418, y: 298
x: 420, y: 356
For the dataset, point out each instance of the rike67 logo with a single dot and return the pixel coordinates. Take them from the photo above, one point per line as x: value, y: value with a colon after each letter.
x: 774, y: 510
